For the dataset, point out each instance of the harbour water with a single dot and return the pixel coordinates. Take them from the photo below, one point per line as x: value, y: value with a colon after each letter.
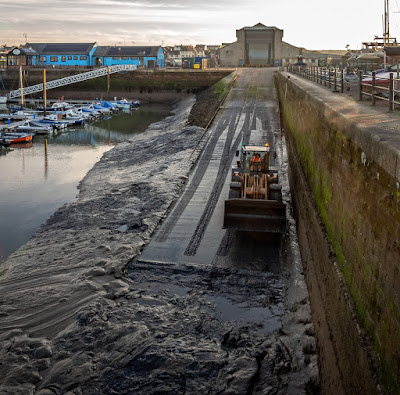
x: 37, y: 178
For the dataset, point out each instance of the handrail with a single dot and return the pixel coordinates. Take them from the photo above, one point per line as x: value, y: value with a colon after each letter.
x: 375, y: 85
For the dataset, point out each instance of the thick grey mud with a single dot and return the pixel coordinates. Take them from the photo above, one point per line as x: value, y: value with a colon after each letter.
x: 83, y: 313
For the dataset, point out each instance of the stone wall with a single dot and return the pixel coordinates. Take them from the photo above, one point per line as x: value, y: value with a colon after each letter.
x: 350, y: 163
x: 138, y: 83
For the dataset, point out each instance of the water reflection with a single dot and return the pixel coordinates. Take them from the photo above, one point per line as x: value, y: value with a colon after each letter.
x: 37, y: 178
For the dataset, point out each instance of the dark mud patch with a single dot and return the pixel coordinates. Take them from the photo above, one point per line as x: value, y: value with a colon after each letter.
x: 208, y: 102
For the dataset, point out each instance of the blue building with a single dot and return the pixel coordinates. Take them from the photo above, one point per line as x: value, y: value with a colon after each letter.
x: 151, y: 57
x: 63, y: 54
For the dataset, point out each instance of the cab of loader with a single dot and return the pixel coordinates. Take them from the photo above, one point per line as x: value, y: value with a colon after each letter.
x: 254, y: 159
x: 255, y: 197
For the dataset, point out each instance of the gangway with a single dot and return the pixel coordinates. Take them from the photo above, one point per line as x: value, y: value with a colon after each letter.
x: 72, y: 79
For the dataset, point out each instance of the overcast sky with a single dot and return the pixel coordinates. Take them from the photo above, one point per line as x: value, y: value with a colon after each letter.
x: 313, y: 24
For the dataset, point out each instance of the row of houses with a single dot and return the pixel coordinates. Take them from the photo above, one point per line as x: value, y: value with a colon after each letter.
x: 175, y: 55
x: 81, y: 55
x: 257, y: 45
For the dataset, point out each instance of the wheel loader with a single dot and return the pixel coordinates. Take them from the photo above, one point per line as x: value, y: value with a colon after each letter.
x: 255, y: 196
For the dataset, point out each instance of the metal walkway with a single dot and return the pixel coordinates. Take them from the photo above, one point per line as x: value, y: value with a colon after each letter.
x: 72, y: 79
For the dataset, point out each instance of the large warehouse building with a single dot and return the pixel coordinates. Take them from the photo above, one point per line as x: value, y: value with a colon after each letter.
x: 259, y: 45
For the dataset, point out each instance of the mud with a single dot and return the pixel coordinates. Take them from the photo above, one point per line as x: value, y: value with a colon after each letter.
x: 80, y: 315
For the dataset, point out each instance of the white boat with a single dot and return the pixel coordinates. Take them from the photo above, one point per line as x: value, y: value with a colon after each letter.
x: 37, y: 127
x: 3, y: 99
x: 71, y: 115
x: 86, y: 115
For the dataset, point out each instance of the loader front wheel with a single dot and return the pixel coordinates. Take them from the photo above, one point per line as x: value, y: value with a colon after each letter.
x: 275, y: 192
x: 234, y: 194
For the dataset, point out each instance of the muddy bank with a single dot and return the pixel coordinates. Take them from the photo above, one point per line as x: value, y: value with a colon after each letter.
x: 77, y: 259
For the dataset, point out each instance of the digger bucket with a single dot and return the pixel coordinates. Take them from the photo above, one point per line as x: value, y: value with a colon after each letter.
x: 255, y: 215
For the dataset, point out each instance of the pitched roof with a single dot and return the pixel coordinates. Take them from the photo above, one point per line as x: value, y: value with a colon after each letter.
x: 22, y: 50
x: 260, y: 26
x: 127, y: 51
x: 62, y: 48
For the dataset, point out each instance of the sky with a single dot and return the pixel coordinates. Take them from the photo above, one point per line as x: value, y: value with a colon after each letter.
x: 312, y: 24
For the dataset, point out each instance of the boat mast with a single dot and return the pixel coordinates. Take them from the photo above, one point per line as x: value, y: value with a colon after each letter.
x: 386, y: 34
x: 21, y: 85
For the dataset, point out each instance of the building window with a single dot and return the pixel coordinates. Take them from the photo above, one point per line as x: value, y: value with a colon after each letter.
x: 229, y: 53
x: 69, y: 57
x: 116, y: 58
x: 125, y: 58
x: 134, y: 57
x: 53, y: 58
x: 63, y: 59
x: 42, y: 58
x: 82, y: 58
x: 75, y: 58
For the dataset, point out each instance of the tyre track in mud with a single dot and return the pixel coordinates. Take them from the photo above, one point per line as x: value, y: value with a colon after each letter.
x: 224, y: 168
x: 198, y: 176
x: 203, y: 164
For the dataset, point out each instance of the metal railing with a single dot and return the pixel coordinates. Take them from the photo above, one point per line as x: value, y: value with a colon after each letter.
x: 380, y: 86
x: 377, y: 85
x: 332, y: 78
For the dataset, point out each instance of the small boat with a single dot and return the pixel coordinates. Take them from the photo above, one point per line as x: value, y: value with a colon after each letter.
x: 70, y: 115
x: 108, y: 104
x: 102, y: 109
x: 91, y: 110
x: 58, y: 106
x: 123, y: 103
x: 35, y: 127
x: 84, y: 114
x: 3, y: 99
x: 16, y: 137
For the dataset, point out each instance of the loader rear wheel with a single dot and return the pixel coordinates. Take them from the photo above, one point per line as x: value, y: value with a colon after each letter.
x: 234, y: 194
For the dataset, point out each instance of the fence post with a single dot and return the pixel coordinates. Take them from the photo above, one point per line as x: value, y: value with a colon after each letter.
x: 391, y: 82
x: 329, y: 79
x: 373, y: 87
x: 325, y: 76
x: 342, y: 81
x: 360, y: 85
x: 335, y: 84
